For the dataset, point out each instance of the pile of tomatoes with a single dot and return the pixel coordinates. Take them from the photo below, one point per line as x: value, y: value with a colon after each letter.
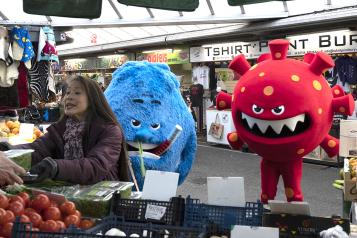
x: 44, y: 214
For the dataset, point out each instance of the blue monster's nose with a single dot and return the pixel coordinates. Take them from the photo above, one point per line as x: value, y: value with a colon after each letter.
x: 144, y: 135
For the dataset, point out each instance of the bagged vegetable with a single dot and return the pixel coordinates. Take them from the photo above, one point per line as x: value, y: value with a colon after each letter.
x: 21, y: 157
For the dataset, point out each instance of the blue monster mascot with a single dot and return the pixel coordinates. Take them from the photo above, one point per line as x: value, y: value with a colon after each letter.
x: 158, y: 127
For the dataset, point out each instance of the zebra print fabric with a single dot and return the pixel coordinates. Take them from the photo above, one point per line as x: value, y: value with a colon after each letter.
x: 39, y: 80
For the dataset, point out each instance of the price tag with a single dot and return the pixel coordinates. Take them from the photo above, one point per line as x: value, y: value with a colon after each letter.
x: 154, y: 212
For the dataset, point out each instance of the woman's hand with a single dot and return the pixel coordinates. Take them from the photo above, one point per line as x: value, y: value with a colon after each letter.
x: 9, y: 171
x: 45, y: 169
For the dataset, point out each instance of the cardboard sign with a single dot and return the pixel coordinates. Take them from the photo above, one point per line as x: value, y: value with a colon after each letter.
x: 226, y: 191
x: 254, y: 232
x: 26, y: 131
x: 160, y: 185
x: 297, y: 208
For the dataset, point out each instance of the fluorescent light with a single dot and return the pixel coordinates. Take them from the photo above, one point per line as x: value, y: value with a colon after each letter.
x: 154, y: 51
x: 109, y: 56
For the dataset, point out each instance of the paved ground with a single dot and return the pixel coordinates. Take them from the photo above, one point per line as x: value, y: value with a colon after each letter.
x: 217, y: 161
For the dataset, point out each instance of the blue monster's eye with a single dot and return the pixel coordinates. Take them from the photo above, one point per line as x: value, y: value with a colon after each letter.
x: 135, y: 123
x: 257, y: 110
x: 155, y: 126
x: 278, y: 110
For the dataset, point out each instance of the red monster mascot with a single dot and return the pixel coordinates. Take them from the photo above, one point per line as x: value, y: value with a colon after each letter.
x: 283, y: 109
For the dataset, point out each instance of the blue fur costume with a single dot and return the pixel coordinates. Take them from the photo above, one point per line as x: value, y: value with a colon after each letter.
x: 146, y: 99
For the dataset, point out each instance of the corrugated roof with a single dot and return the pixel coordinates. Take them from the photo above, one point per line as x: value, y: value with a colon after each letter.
x: 121, y: 23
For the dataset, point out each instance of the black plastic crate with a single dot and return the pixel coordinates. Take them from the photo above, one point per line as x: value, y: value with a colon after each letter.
x: 218, y: 220
x: 135, y: 210
x: 23, y: 230
x: 147, y: 230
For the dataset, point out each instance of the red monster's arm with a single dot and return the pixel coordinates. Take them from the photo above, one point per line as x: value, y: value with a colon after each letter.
x: 235, y: 141
x: 330, y: 145
x: 342, y: 103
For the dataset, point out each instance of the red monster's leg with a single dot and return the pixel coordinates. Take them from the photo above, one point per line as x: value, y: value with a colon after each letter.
x: 269, y: 180
x: 292, y: 173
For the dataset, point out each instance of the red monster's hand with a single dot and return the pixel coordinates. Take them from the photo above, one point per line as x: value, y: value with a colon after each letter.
x: 234, y: 141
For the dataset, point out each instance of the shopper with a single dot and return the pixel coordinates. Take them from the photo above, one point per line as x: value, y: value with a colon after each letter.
x: 9, y: 171
x: 86, y: 145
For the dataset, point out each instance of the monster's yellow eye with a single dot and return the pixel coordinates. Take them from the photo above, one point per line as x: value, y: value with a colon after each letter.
x: 257, y: 110
x: 278, y: 110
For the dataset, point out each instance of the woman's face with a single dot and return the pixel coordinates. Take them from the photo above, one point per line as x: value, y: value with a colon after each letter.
x: 76, y: 100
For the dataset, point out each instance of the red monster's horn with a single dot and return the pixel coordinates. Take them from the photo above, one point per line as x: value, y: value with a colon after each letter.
x: 320, y: 63
x: 239, y: 64
x: 279, y: 49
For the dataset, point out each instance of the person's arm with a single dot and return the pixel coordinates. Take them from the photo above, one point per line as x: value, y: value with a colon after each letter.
x: 98, y: 162
x: 9, y: 171
x: 42, y: 147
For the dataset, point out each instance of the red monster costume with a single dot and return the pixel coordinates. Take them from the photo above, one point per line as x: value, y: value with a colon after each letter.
x: 283, y: 109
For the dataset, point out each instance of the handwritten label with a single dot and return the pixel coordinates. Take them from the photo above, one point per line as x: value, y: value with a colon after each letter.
x: 154, y: 212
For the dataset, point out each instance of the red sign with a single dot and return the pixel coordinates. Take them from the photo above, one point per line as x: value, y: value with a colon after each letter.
x: 157, y: 57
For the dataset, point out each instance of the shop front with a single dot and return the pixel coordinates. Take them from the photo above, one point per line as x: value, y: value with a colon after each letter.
x: 340, y: 45
x: 99, y: 68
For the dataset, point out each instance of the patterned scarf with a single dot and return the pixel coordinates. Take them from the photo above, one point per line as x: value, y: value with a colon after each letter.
x: 73, y: 139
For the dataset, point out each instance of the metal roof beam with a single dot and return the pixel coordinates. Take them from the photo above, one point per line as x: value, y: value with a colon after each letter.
x: 150, y: 12
x: 285, y: 4
x: 176, y: 21
x: 115, y: 9
x: 210, y: 7
x: 242, y: 10
x: 309, y: 20
x: 2, y: 15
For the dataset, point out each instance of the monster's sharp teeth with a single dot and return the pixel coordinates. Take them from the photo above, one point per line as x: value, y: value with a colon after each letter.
x: 277, y: 126
x: 292, y: 122
x: 250, y: 120
x: 263, y: 125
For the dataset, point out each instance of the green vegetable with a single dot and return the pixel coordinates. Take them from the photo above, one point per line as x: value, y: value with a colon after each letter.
x: 20, y: 157
x: 338, y: 186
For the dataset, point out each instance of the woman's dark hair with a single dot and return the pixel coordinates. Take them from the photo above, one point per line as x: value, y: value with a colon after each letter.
x: 98, y: 107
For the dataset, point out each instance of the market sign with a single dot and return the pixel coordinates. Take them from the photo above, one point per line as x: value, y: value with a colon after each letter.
x: 180, y: 56
x: 101, y: 62
x: 330, y: 42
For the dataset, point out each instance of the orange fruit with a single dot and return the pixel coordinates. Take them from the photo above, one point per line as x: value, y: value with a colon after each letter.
x: 37, y: 133
x: 15, y: 130
x: 17, y: 124
x: 10, y: 124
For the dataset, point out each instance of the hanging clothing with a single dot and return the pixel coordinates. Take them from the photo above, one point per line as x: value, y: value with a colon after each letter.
x: 201, y: 75
x: 47, y: 45
x: 39, y: 80
x: 8, y: 73
x: 22, y: 86
x: 9, y: 96
x: 196, y: 92
x: 346, y: 70
x: 21, y: 45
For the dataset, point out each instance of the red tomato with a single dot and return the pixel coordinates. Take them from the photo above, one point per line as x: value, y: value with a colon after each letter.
x: 49, y: 226
x: 35, y: 219
x: 7, y: 217
x: 26, y: 197
x: 4, y: 201
x: 17, y: 208
x: 29, y: 210
x: 61, y: 225
x: 2, y: 213
x: 53, y: 203
x: 72, y: 219
x: 86, y: 224
x: 68, y: 208
x: 16, y: 198
x: 78, y: 214
x: 7, y: 229
x: 24, y: 219
x: 52, y: 213
x: 40, y: 202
